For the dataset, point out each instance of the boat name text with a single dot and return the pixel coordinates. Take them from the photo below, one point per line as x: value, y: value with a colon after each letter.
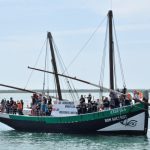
x: 115, y: 118
x: 118, y: 110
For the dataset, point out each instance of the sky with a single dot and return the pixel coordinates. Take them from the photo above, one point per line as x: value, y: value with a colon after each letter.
x: 25, y: 23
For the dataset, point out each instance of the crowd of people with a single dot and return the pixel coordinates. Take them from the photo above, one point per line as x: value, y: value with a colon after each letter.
x: 11, y: 106
x: 115, y: 100
x: 42, y: 106
x: 91, y: 106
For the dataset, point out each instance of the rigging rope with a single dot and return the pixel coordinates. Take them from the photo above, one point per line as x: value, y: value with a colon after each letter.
x: 120, y: 62
x: 114, y: 67
x: 63, y: 67
x: 86, y: 43
x: 45, y: 67
x: 48, y: 81
x: 103, y: 60
x: 29, y: 78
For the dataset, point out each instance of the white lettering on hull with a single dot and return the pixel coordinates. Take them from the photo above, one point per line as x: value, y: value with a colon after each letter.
x: 115, y: 118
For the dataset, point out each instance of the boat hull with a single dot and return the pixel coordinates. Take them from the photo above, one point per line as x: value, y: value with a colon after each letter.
x: 125, y: 120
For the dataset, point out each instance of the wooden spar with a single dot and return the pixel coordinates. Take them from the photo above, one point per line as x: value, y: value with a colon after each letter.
x: 25, y: 90
x: 86, y: 82
x: 17, y: 88
x: 49, y: 36
x: 74, y: 78
x: 111, y: 50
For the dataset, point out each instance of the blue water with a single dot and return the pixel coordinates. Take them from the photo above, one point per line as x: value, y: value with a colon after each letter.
x: 13, y: 140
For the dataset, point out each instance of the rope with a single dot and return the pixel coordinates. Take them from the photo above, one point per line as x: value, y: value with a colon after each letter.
x: 35, y: 64
x: 115, y: 75
x: 48, y: 81
x: 63, y: 67
x: 86, y: 43
x: 103, y: 59
x: 45, y: 67
x: 120, y: 62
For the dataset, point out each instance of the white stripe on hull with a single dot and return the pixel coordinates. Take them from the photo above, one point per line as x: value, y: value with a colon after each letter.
x: 134, y: 123
x: 4, y: 115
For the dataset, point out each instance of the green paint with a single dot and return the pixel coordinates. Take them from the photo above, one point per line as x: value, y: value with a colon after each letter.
x: 83, y: 117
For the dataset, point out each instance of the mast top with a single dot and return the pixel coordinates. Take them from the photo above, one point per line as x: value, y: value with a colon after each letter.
x: 110, y: 13
x: 49, y: 35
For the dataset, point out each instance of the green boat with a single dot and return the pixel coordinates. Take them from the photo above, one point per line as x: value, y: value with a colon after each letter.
x: 131, y: 119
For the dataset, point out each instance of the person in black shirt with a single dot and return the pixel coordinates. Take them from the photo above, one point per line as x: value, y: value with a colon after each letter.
x: 106, y: 103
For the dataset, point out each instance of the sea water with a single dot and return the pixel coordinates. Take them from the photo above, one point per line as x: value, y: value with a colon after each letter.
x: 14, y: 140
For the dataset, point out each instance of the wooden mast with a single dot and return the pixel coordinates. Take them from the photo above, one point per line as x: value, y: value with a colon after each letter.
x: 111, y: 50
x: 49, y: 36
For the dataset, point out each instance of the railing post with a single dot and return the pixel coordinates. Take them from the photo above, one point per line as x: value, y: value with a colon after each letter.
x: 146, y: 95
x: 146, y: 99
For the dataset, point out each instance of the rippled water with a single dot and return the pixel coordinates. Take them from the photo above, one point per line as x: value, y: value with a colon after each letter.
x: 13, y: 140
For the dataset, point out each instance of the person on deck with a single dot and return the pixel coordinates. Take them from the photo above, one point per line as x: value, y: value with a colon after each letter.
x: 136, y: 96
x: 94, y: 106
x: 124, y: 91
x: 43, y: 108
x: 49, y: 104
x: 49, y: 100
x: 11, y: 105
x: 19, y: 108
x: 37, y: 109
x: 14, y: 108
x: 7, y: 106
x: 89, y: 98
x: 140, y: 95
x: 2, y: 105
x: 106, y: 103
x: 34, y: 104
x: 22, y: 103
x: 112, y: 102
x: 122, y: 100
x: 82, y: 106
x: 82, y: 99
x: 128, y: 99
x: 89, y: 107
